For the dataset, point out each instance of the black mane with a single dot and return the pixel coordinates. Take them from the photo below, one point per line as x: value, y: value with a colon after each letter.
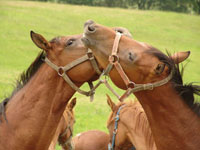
x: 186, y: 91
x: 24, y: 78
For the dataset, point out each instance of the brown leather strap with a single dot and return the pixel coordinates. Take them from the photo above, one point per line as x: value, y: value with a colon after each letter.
x: 116, y: 43
x: 62, y: 72
x: 93, y: 61
x: 92, y: 92
x: 125, y: 78
x: 131, y: 86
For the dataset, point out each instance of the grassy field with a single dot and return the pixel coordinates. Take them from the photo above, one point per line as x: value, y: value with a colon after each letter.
x: 164, y: 30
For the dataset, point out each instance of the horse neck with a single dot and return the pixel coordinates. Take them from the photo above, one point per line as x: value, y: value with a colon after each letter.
x: 174, y: 125
x: 139, y: 132
x: 37, y: 109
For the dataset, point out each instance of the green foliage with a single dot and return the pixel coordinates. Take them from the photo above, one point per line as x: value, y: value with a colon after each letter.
x: 164, y: 30
x: 187, y: 6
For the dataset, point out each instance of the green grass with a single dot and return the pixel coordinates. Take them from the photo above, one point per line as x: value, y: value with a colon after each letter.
x: 164, y: 30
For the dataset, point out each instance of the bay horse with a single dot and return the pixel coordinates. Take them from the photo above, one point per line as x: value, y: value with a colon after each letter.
x: 30, y: 116
x: 64, y: 131
x: 156, y: 81
x: 132, y: 127
x: 36, y: 106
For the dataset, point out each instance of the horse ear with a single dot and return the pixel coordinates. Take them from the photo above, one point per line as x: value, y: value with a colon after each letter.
x: 110, y: 103
x: 179, y: 57
x: 40, y: 41
x: 72, y: 104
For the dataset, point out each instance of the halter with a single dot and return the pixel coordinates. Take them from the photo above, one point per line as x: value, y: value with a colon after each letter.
x: 61, y: 70
x: 89, y: 56
x: 131, y: 86
x: 112, y: 146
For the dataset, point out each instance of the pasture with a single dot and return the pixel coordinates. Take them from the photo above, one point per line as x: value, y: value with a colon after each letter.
x: 164, y: 30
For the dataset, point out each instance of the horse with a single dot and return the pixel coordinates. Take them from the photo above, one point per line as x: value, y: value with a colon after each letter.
x: 30, y: 116
x: 64, y: 131
x: 156, y: 80
x: 36, y: 105
x: 132, y: 127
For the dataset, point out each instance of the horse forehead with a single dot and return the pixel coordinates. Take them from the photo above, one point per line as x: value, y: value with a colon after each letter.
x: 78, y: 36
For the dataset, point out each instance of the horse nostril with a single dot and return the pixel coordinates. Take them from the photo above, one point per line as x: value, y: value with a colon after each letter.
x: 91, y: 28
x: 88, y: 22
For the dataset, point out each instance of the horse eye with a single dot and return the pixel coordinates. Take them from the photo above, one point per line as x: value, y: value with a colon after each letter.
x: 70, y: 42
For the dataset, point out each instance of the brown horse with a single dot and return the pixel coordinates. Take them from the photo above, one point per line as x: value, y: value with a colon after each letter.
x: 64, y: 131
x: 35, y: 107
x: 170, y: 107
x: 133, y: 127
x: 91, y: 140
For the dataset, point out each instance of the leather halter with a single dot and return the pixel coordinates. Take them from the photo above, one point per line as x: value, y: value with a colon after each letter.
x: 89, y: 56
x: 111, y: 146
x: 131, y: 86
x: 61, y: 70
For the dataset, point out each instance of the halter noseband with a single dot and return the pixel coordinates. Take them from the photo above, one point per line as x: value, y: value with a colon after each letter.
x: 61, y: 70
x: 131, y: 86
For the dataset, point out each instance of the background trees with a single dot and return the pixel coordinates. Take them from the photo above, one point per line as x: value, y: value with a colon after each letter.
x: 186, y: 6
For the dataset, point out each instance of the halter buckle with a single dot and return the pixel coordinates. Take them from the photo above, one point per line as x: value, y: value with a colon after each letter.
x: 61, y: 71
x: 113, y: 59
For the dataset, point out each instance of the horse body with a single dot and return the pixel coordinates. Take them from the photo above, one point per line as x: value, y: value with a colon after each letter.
x: 170, y: 108
x: 90, y: 140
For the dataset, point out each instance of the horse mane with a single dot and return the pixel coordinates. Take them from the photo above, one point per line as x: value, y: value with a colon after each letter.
x: 186, y: 91
x: 23, y: 80
x: 142, y: 123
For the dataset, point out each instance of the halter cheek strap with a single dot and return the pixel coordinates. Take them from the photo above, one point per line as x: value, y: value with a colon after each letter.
x: 111, y: 146
x: 131, y: 86
x: 61, y: 70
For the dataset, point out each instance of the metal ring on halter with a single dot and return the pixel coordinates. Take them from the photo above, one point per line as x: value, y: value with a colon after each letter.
x: 115, y: 131
x: 113, y: 59
x: 90, y: 54
x: 61, y: 71
x: 131, y: 84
